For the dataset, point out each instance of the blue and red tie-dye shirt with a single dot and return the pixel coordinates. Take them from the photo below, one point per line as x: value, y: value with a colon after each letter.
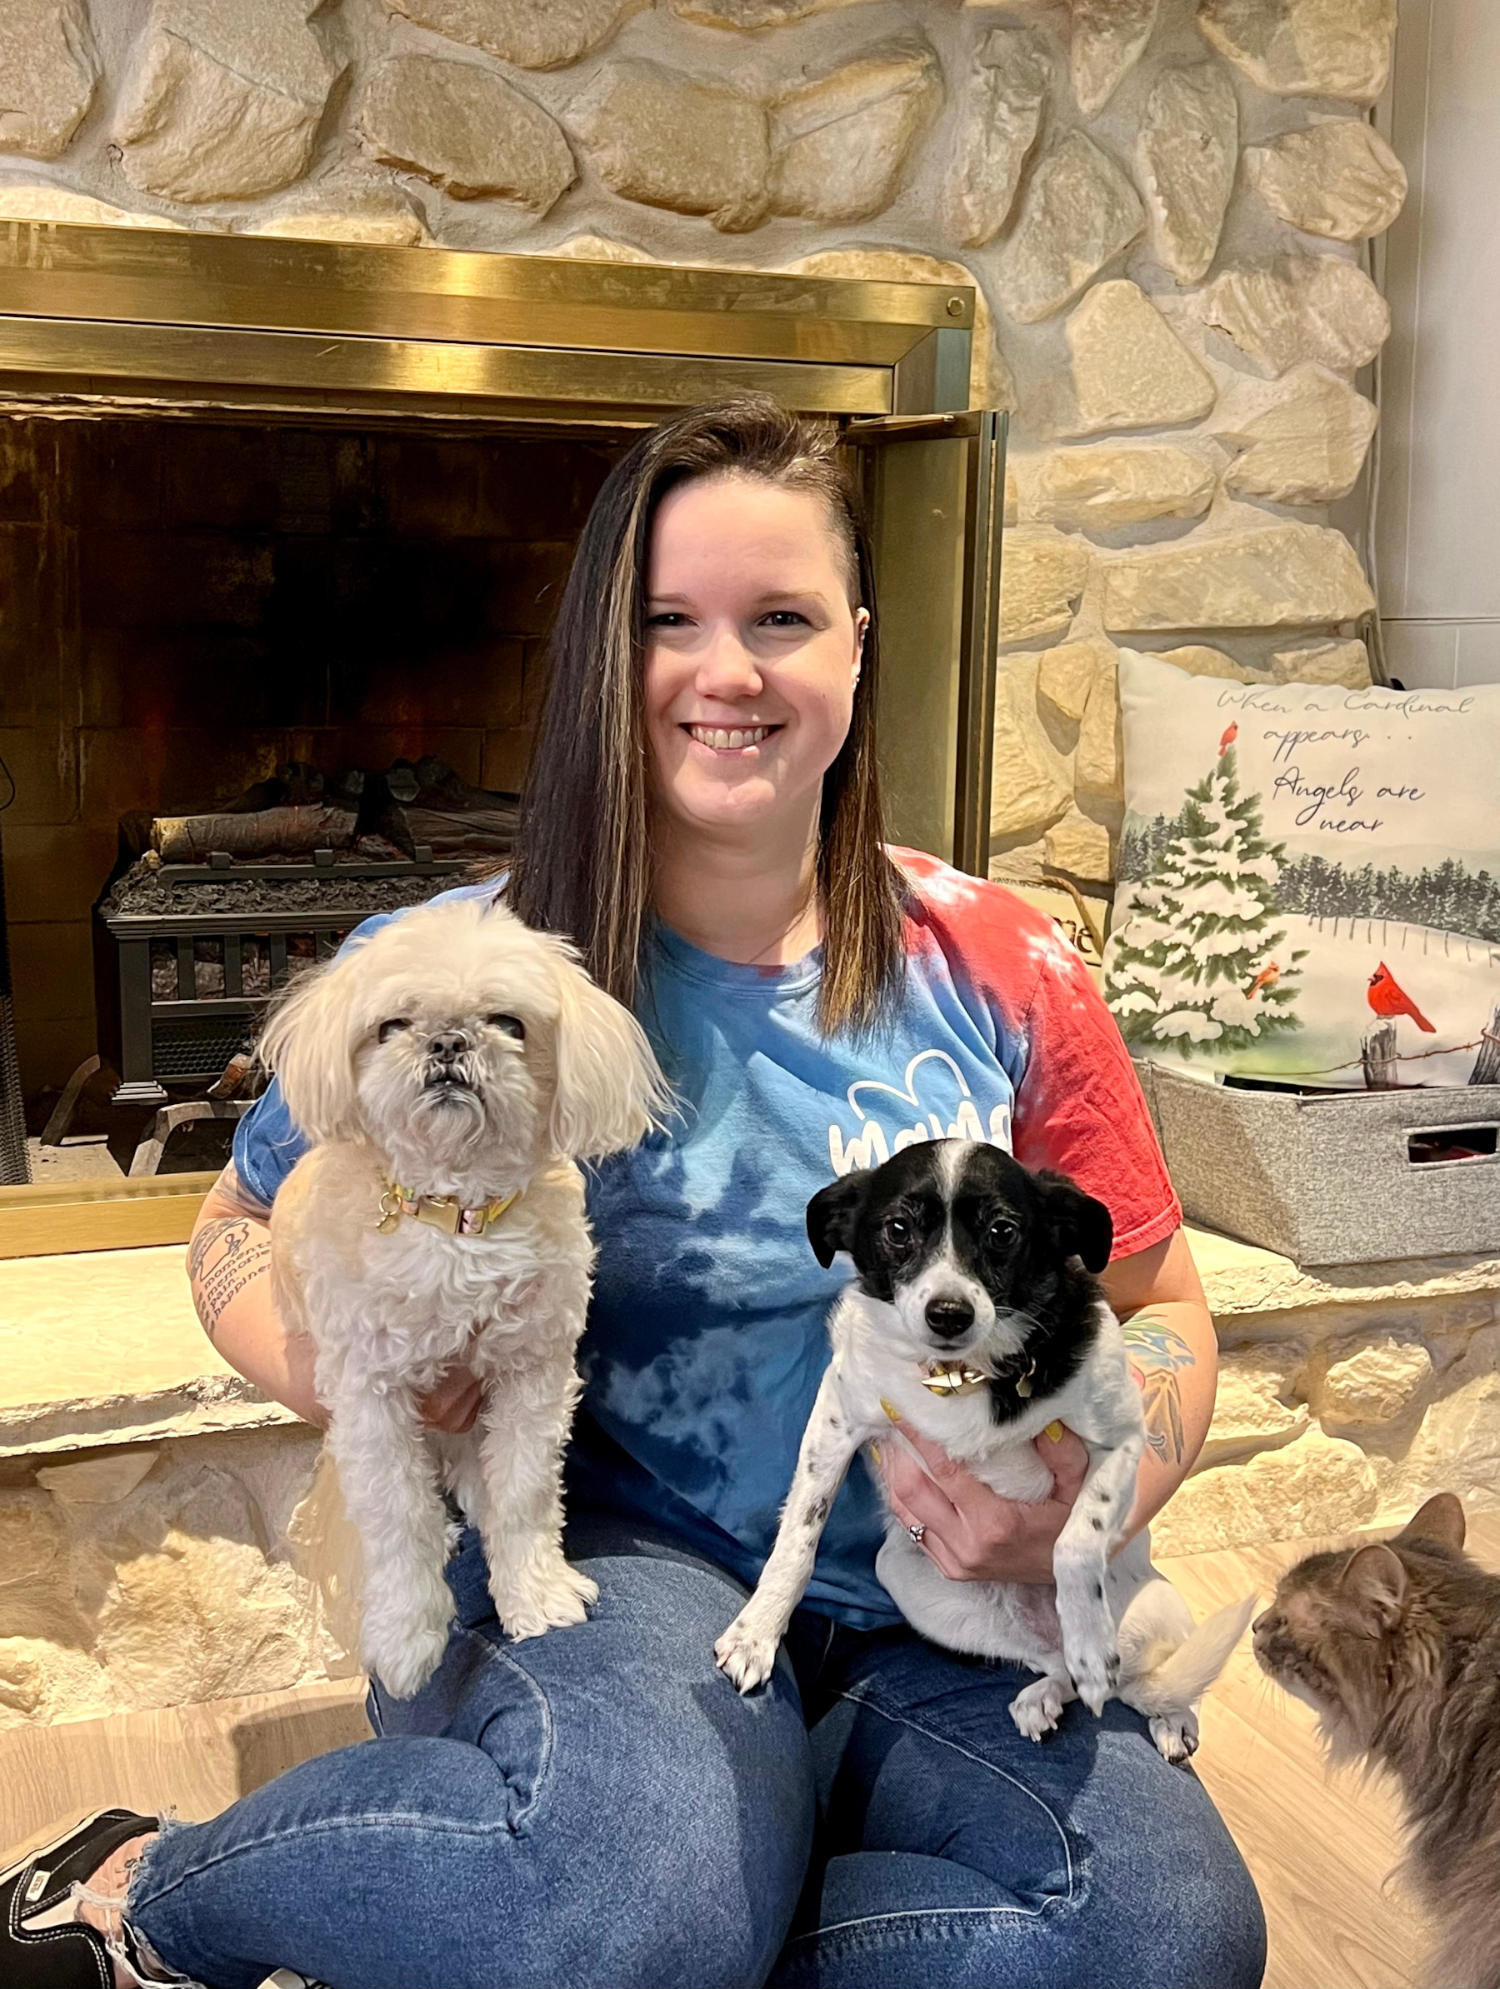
x: 706, y: 1338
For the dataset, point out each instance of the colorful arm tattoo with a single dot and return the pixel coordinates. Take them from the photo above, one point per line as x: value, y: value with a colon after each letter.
x: 1156, y: 1353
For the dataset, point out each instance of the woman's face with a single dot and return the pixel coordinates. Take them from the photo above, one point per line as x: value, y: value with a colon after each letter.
x: 752, y: 654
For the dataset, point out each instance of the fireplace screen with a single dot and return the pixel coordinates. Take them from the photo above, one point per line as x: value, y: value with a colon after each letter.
x: 282, y: 531
x: 291, y: 673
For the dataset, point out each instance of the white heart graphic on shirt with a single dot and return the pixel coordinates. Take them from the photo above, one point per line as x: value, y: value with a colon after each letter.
x: 909, y: 1095
x: 875, y: 1142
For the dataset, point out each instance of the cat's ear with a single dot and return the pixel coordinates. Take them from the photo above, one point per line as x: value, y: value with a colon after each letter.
x: 1374, y: 1585
x: 1441, y: 1519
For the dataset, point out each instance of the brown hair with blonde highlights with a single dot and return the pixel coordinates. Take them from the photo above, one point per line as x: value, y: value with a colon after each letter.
x: 583, y: 862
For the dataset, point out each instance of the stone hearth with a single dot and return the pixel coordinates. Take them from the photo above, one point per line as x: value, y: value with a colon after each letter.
x: 145, y: 1488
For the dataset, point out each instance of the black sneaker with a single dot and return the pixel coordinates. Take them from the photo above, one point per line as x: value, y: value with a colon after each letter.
x: 41, y: 1945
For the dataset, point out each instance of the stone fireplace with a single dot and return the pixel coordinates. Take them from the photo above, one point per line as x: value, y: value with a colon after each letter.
x: 283, y: 288
x: 1168, y: 211
x: 1167, y: 216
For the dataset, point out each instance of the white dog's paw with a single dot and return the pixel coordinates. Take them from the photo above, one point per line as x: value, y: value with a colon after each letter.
x: 1176, y: 1735
x: 1037, y: 1710
x: 746, y: 1656
x: 552, y: 1596
x: 404, y: 1657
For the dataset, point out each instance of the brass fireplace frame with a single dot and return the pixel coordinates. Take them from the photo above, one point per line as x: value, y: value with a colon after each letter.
x: 149, y: 318
x: 175, y: 324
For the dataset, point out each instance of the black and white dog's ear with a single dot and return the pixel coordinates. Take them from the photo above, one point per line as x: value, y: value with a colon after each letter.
x: 1083, y: 1227
x: 832, y: 1213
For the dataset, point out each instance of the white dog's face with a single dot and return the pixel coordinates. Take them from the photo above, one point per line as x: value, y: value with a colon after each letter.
x: 459, y: 1067
x: 462, y: 1044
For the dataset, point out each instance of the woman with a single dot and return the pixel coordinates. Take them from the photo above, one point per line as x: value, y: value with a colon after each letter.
x: 598, y: 1806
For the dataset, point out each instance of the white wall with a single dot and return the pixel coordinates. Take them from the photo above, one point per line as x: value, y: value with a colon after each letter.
x: 1438, y: 519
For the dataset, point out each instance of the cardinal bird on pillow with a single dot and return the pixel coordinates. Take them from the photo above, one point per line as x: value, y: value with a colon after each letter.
x: 1387, y: 997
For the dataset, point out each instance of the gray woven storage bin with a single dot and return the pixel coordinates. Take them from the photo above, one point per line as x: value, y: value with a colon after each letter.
x: 1328, y: 1179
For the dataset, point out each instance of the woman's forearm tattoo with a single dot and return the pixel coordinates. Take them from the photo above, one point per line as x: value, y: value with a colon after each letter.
x: 1156, y: 1353
x: 225, y: 1257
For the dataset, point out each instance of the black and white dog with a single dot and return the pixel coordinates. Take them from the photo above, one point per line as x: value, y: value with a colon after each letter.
x: 977, y: 1316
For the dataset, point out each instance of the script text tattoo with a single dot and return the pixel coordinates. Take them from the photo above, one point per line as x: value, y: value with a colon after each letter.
x: 225, y: 1259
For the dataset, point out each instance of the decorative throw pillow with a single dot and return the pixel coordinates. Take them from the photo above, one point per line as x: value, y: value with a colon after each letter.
x: 1309, y: 880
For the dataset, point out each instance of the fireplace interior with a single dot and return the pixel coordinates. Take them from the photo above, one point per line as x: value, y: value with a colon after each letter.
x: 193, y: 608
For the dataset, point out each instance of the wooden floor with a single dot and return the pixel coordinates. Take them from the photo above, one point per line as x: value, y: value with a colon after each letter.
x: 1321, y: 1848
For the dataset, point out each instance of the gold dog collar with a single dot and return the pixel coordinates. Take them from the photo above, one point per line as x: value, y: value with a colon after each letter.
x: 952, y: 1378
x: 956, y: 1377
x: 444, y: 1212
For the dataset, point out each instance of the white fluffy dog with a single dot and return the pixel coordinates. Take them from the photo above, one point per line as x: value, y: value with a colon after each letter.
x: 450, y: 1070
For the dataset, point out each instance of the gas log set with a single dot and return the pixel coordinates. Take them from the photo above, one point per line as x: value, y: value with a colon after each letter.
x: 206, y: 915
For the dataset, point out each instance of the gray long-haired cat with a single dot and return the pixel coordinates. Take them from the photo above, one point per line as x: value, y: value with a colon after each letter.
x: 1397, y: 1649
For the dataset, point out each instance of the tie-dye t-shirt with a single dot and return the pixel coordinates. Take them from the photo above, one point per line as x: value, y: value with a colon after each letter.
x: 706, y: 1340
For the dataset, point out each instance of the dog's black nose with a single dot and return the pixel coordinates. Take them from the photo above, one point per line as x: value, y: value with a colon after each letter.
x: 950, y: 1316
x: 451, y: 1044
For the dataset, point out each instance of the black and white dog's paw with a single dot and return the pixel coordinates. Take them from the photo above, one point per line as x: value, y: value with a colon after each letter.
x: 1037, y: 1709
x: 1176, y: 1735
x: 1094, y: 1666
x: 746, y: 1655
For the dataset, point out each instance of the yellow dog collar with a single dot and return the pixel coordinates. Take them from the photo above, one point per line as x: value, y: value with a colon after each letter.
x: 444, y: 1212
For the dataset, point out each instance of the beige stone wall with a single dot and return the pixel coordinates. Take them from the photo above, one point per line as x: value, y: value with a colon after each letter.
x: 1162, y: 202
x: 156, y: 1576
x: 1345, y: 1398
x: 146, y: 1492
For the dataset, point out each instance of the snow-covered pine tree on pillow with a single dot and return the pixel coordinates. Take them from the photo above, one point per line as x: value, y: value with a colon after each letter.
x: 1309, y: 880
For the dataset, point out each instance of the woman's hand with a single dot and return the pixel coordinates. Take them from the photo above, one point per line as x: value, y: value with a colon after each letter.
x: 453, y: 1405
x: 972, y: 1534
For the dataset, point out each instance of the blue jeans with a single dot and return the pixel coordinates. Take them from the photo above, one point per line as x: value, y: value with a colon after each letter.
x: 599, y: 1809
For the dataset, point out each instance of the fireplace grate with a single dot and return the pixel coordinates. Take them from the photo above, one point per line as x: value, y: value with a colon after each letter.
x: 180, y: 987
x: 193, y: 1052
